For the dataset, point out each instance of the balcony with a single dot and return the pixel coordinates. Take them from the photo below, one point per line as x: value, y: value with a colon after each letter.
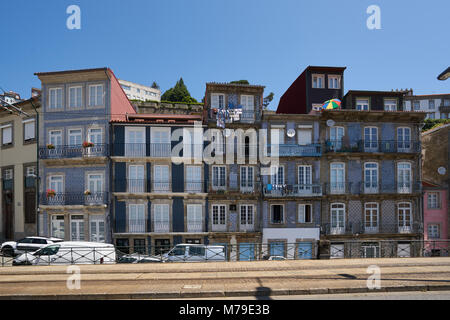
x: 194, y: 186
x: 137, y: 225
x: 371, y: 146
x: 296, y: 190
x: 247, y: 228
x: 332, y: 188
x: 161, y: 226
x: 295, y: 150
x: 194, y: 226
x: 398, y: 188
x: 219, y: 188
x: 350, y: 228
x: 68, y: 152
x: 218, y: 227
x: 74, y: 198
x: 136, y: 185
x: 237, y: 115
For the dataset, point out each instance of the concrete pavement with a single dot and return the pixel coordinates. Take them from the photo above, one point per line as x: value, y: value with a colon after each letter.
x: 226, y: 279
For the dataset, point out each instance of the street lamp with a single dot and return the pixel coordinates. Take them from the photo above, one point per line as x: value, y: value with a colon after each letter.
x: 444, y: 75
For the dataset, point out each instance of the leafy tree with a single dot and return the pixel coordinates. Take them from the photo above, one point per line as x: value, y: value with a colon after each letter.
x: 240, y: 82
x: 433, y: 123
x: 155, y: 85
x: 267, y: 100
x: 179, y: 93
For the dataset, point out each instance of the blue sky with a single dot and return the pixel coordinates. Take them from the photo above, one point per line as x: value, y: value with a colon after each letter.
x: 265, y: 42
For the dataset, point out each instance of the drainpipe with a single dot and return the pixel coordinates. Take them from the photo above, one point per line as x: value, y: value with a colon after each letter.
x: 37, y: 167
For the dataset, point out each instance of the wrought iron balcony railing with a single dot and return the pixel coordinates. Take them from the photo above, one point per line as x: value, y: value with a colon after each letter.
x: 407, y: 227
x: 74, y: 198
x: 296, y: 190
x: 70, y: 151
x: 237, y: 115
x: 398, y: 188
x: 295, y: 150
x: 370, y: 146
x: 149, y: 186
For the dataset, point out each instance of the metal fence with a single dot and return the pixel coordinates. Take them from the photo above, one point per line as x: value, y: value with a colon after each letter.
x: 276, y: 250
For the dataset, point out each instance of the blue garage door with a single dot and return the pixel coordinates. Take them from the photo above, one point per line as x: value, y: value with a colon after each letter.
x: 246, y: 252
x: 277, y: 249
x: 304, y: 250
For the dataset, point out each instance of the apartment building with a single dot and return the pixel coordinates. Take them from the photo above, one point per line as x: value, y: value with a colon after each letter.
x: 74, y: 172
x: 18, y: 165
x: 363, y: 100
x: 159, y: 198
x: 135, y: 91
x: 435, y: 106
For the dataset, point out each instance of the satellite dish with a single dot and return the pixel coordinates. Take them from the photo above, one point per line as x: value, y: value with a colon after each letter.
x: 291, y: 133
x: 442, y: 171
x: 227, y: 133
x: 330, y: 123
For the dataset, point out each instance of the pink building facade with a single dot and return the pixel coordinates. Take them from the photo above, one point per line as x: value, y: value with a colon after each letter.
x: 436, y: 215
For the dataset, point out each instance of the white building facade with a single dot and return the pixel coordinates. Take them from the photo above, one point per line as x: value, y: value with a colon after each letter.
x: 437, y: 106
x: 140, y: 92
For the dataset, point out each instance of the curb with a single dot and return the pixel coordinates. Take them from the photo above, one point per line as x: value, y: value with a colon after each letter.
x: 210, y: 294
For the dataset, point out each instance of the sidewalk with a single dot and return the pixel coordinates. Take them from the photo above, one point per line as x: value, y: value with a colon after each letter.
x: 231, y: 279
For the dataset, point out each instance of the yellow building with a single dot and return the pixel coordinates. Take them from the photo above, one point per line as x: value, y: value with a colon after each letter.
x: 19, y: 169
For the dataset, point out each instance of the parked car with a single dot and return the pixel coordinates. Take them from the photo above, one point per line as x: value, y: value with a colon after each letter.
x: 28, y: 244
x: 70, y: 252
x: 195, y: 253
x: 279, y: 258
x: 138, y: 258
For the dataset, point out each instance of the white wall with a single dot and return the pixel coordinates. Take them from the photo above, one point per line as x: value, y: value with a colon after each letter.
x: 290, y: 234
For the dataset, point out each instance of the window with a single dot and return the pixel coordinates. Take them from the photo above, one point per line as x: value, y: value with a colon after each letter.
x: 336, y: 136
x: 337, y: 178
x: 97, y: 228
x: 371, y: 217
x: 362, y: 104
x: 404, y: 177
x: 75, y: 138
x: 370, y: 138
x: 431, y: 104
x: 390, y: 105
x: 95, y: 183
x: 55, y: 98
x: 161, y: 218
x: 135, y: 142
x: 193, y: 178
x: 29, y: 129
x: 304, y: 135
x: 416, y: 105
x: 56, y: 184
x: 8, y: 174
x: 194, y: 218
x: 404, y: 217
x: 248, y: 106
x: 217, y: 141
x: 446, y: 103
x: 277, y: 176
x: 96, y: 95
x: 77, y: 228
x: 219, y: 177
x: 304, y: 213
x: 276, y: 214
x: 218, y: 215
x: 136, y: 218
x: 161, y: 178
x: 305, y: 178
x: 217, y: 100
x: 334, y: 82
x: 75, y: 97
x: 30, y: 171
x: 136, y: 179
x: 247, y: 215
x: 403, y: 139
x: 95, y: 135
x: 371, y: 177
x: 277, y: 135
x: 246, y: 178
x: 57, y: 226
x: 126, y: 87
x: 316, y: 107
x: 433, y: 231
x: 139, y: 246
x: 431, y: 115
x: 433, y: 200
x: 7, y: 131
x: 160, y: 142
x: 337, y: 218
x: 318, y: 81
x: 55, y: 137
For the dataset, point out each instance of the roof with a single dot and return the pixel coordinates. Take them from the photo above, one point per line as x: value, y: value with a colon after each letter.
x: 396, y: 93
x: 70, y: 71
x: 427, y: 95
x: 325, y: 68
x: 444, y: 75
x: 160, y: 118
x: 234, y: 84
x: 428, y: 184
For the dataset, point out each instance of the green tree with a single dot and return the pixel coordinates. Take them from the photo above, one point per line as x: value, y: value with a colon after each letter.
x: 267, y: 100
x: 155, y: 85
x: 240, y: 82
x: 179, y: 93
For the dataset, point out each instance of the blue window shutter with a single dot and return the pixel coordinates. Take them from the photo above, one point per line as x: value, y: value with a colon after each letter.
x: 174, y: 143
x: 206, y: 215
x: 119, y: 141
x: 178, y: 215
x: 149, y: 217
x: 177, y: 177
x: 206, y: 175
x: 120, y: 216
x: 149, y: 177
x: 120, y: 177
x: 147, y: 141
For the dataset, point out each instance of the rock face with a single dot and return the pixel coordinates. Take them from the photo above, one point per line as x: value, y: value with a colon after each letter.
x: 167, y: 108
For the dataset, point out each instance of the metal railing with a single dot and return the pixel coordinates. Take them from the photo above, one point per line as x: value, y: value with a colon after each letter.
x: 401, y: 188
x: 296, y: 190
x: 70, y: 151
x: 74, y: 198
x: 353, y: 228
x: 295, y: 150
x: 241, y: 115
x: 276, y: 250
x: 384, y: 146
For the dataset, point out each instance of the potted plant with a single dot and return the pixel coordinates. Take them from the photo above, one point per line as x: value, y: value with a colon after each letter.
x: 87, y: 193
x: 87, y: 144
x: 51, y: 193
x: 50, y: 146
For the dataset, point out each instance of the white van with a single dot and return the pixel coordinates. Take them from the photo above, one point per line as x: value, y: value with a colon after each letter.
x: 70, y: 252
x: 195, y: 253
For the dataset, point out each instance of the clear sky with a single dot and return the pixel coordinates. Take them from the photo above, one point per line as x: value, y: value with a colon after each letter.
x: 265, y: 42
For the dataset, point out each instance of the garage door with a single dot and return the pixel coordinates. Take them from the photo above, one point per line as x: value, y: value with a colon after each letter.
x: 403, y: 250
x: 304, y: 250
x: 277, y: 249
x: 337, y: 251
x: 247, y: 252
